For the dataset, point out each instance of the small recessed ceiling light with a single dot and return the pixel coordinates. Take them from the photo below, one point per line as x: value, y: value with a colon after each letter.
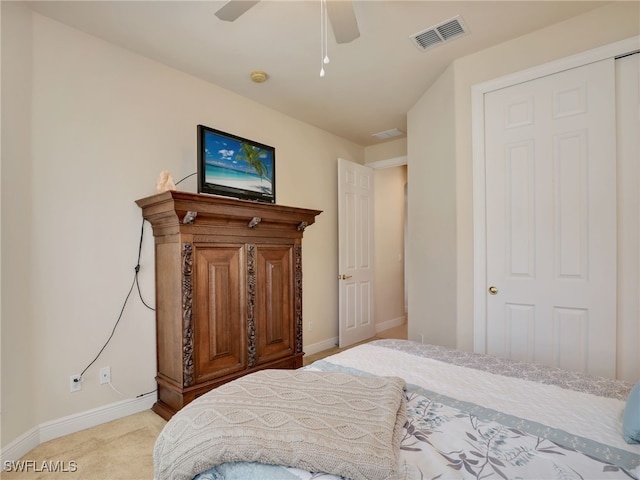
x: 394, y: 132
x: 259, y: 76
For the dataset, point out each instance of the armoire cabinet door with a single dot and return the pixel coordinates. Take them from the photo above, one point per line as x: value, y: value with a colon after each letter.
x: 219, y: 310
x: 274, y: 315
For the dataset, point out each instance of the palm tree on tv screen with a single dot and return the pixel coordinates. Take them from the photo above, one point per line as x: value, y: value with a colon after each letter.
x: 254, y: 157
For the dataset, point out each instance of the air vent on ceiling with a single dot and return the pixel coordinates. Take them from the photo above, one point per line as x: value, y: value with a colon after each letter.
x: 439, y: 34
x: 394, y: 132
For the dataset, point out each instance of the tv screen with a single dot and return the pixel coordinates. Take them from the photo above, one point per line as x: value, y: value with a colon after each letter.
x: 235, y: 167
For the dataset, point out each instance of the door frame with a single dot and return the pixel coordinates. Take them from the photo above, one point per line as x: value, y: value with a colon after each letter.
x: 478, y: 92
x: 377, y: 165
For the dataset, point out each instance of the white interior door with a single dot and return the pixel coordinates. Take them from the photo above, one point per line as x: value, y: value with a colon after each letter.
x: 551, y: 220
x: 356, y: 252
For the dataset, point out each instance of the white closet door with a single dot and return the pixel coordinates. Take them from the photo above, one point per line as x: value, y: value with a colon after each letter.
x: 551, y: 220
x: 628, y: 122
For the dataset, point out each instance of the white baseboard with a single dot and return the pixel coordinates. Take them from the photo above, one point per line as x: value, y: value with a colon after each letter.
x: 396, y: 322
x: 320, y: 346
x: 73, y: 423
x: 332, y: 342
x: 21, y: 446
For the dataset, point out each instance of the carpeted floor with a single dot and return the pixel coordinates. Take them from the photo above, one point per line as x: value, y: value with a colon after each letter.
x: 117, y: 450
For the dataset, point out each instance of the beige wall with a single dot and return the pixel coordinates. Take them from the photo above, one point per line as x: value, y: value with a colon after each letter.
x: 18, y: 333
x: 389, y: 206
x: 432, y: 215
x: 441, y: 273
x: 104, y: 123
x: 384, y: 151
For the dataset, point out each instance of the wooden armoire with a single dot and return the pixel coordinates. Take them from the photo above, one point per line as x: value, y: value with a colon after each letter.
x: 228, y: 290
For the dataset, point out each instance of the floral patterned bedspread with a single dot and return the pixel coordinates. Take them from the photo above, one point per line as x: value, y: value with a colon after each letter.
x: 467, y: 434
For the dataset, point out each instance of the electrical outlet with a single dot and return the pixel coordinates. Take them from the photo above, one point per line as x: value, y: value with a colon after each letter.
x: 105, y: 375
x: 75, y: 383
x: 310, y: 327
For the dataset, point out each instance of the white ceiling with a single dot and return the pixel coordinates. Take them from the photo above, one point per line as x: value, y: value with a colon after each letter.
x: 370, y: 83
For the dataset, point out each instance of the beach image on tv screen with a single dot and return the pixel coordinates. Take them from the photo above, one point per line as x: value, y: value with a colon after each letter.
x: 237, y: 164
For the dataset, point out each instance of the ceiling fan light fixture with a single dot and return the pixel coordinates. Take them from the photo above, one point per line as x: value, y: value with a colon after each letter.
x: 233, y: 9
x: 259, y: 76
x: 324, y: 53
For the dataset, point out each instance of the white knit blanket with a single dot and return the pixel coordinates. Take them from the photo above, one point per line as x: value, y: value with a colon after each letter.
x: 339, y: 423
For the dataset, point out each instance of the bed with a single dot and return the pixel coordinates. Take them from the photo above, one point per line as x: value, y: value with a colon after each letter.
x: 396, y: 409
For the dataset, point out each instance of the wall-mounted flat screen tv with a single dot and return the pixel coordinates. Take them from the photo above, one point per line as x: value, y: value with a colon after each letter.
x: 235, y: 167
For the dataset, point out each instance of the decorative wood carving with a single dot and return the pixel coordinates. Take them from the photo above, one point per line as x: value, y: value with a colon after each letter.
x: 251, y: 304
x: 187, y: 313
x: 297, y: 252
x: 254, y: 222
x: 302, y: 226
x: 189, y: 217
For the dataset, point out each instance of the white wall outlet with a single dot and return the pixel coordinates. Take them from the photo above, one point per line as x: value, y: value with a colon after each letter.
x: 105, y: 375
x: 310, y: 326
x: 75, y: 383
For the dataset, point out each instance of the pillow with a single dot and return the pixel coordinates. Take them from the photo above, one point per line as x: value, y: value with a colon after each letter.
x: 631, y: 418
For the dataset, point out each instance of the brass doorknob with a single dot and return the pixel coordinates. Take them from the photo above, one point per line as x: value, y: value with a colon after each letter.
x: 493, y: 290
x: 343, y: 277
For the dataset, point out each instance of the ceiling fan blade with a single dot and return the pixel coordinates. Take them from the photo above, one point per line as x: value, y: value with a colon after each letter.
x: 234, y: 8
x: 343, y: 20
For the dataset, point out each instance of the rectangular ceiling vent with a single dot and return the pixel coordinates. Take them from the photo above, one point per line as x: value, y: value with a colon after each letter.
x: 439, y: 34
x: 394, y: 132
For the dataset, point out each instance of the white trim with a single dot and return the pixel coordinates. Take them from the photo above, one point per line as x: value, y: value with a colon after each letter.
x: 396, y: 322
x: 73, y: 423
x: 333, y: 342
x: 321, y: 346
x: 21, y: 446
x: 590, y: 56
x: 387, y: 163
x: 478, y: 92
x: 479, y: 223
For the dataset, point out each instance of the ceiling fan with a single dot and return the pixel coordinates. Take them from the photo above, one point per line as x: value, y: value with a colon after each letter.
x: 340, y: 12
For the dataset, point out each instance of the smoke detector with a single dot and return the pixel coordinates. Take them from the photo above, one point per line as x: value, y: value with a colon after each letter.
x: 439, y: 34
x: 259, y: 76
